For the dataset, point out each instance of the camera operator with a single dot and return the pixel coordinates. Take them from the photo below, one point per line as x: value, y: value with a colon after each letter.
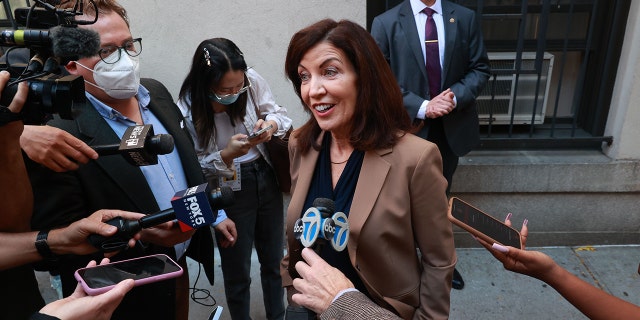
x: 20, y: 296
x: 49, y: 146
x: 116, y: 99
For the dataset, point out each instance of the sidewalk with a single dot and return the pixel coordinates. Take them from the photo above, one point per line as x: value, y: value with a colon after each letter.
x: 493, y: 293
x: 490, y: 292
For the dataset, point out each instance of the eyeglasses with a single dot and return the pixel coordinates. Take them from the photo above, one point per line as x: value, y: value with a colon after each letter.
x: 133, y: 48
x: 242, y: 90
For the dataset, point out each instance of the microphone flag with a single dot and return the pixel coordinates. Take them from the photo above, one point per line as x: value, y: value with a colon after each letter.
x: 341, y: 231
x: 192, y: 207
x: 132, y: 145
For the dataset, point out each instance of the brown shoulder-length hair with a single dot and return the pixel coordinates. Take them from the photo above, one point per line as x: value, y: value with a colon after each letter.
x: 379, y: 108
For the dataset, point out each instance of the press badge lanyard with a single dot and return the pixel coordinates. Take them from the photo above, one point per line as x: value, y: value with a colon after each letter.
x: 233, y: 182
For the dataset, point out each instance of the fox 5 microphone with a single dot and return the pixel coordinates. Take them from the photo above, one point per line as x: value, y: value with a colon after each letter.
x: 319, y: 225
x: 139, y: 146
x: 193, y: 208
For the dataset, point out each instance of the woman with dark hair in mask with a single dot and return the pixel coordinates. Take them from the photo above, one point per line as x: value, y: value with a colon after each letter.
x: 224, y: 102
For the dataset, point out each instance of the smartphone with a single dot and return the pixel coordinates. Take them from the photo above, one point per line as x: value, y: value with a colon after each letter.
x: 99, y: 279
x: 259, y: 132
x: 216, y: 313
x: 482, y: 225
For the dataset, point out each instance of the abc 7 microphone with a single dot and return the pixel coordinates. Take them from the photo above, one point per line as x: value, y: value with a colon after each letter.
x: 319, y: 225
x: 193, y: 208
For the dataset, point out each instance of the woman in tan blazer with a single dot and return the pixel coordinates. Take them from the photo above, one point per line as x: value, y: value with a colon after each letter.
x: 355, y: 150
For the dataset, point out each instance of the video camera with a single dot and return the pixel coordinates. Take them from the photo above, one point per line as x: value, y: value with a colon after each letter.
x: 37, y: 53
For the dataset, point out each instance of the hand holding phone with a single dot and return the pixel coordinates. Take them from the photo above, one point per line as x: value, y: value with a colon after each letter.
x: 259, y: 132
x: 482, y: 225
x: 101, y: 278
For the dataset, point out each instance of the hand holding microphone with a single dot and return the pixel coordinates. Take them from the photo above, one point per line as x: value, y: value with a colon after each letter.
x: 191, y: 207
x: 319, y: 282
x: 60, y: 151
x: 319, y: 225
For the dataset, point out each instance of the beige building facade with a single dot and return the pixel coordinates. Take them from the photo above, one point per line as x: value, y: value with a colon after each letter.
x: 570, y: 197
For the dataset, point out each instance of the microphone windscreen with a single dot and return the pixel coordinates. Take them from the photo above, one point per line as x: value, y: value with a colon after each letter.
x: 160, y: 144
x: 325, y: 203
x: 73, y: 42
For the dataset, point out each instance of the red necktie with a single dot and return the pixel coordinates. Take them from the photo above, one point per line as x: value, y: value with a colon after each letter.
x: 432, y: 53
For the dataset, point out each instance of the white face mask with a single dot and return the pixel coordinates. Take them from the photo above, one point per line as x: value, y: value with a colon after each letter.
x: 119, y: 80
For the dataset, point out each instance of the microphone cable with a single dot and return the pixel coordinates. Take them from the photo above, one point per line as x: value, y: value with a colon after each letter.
x: 205, y: 293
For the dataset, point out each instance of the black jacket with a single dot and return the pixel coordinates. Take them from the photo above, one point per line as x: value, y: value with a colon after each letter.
x: 110, y: 182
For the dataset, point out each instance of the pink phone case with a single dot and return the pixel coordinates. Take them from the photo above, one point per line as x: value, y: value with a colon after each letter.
x: 170, y: 270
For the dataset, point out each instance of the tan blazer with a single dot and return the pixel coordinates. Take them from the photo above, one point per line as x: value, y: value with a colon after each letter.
x: 399, y: 205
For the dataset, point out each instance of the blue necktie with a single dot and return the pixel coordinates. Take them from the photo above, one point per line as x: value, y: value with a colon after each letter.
x: 432, y: 53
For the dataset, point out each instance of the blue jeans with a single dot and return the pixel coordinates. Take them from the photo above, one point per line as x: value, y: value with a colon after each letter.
x: 259, y: 218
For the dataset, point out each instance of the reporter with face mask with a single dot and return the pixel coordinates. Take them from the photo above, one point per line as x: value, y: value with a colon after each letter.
x: 116, y: 99
x: 223, y: 102
x: 20, y: 246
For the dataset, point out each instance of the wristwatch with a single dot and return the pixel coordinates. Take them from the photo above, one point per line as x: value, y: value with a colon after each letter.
x: 43, y: 247
x: 7, y: 116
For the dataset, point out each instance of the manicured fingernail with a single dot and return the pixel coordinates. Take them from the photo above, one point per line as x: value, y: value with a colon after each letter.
x: 525, y: 222
x: 508, y: 216
x: 500, y: 248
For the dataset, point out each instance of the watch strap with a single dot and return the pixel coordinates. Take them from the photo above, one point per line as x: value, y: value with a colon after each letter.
x: 43, y: 247
x: 7, y: 116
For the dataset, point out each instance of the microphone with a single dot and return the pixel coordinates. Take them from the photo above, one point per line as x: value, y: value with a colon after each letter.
x: 317, y: 226
x: 65, y: 42
x: 139, y: 146
x: 74, y: 43
x: 193, y: 208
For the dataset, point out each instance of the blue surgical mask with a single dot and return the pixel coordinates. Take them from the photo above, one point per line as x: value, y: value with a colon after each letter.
x: 226, y: 99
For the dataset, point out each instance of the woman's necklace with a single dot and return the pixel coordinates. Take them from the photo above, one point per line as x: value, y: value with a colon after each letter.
x: 340, y: 162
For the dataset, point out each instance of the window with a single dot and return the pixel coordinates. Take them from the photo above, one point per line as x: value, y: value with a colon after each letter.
x: 554, y: 65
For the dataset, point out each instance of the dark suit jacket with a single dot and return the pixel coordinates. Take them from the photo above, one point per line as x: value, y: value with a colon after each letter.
x: 112, y: 183
x: 465, y: 68
x: 400, y: 207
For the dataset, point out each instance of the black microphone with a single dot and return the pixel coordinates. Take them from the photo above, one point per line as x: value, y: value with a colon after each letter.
x: 193, y: 208
x: 319, y: 225
x: 139, y: 146
x: 74, y: 43
x: 65, y: 42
